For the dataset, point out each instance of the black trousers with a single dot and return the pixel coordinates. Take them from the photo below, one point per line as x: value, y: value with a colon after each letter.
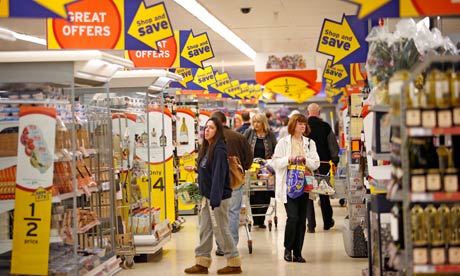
x: 262, y: 198
x: 296, y: 224
x: 326, y: 211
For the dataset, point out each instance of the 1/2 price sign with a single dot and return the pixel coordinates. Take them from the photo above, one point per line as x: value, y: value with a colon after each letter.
x: 34, y: 178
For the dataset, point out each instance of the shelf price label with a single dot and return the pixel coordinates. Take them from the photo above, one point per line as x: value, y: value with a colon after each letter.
x: 32, y: 215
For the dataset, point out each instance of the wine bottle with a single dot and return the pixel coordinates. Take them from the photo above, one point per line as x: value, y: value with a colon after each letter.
x: 419, y: 235
x: 183, y: 133
x: 436, y: 240
x: 454, y: 81
x: 454, y: 235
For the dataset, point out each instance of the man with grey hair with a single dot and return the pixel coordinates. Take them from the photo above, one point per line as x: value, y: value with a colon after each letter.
x: 328, y: 149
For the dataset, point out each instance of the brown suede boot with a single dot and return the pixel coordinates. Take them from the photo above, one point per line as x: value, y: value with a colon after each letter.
x: 196, y: 269
x: 230, y: 270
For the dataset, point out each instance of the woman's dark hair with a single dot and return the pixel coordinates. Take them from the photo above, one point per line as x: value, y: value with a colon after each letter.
x: 209, y: 148
x: 293, y: 122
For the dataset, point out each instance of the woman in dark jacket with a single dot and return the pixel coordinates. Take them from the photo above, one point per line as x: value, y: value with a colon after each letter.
x: 214, y: 182
x: 263, y: 142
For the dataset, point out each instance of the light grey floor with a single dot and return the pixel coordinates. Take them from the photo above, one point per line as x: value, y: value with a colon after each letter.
x: 324, y: 252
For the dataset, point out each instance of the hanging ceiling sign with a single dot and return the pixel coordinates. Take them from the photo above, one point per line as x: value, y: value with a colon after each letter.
x: 234, y: 90
x: 245, y: 93
x: 146, y: 25
x: 204, y: 77
x: 91, y: 25
x: 344, y: 41
x: 405, y: 8
x: 35, y: 8
x: 196, y: 49
x: 337, y: 74
x: 171, y: 52
x: 298, y: 85
x: 194, y: 78
x: 221, y: 84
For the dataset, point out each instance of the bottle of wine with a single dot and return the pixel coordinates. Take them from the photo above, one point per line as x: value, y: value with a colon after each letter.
x: 419, y: 235
x: 183, y: 133
x: 453, y: 248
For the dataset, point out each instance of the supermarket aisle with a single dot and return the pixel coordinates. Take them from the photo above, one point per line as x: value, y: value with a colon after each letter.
x: 323, y: 251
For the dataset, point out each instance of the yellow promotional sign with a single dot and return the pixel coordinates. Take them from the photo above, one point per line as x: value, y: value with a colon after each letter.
x: 293, y: 88
x: 258, y: 92
x: 187, y: 75
x: 197, y: 49
x: 151, y: 25
x: 221, y: 84
x: 188, y: 159
x: 337, y: 39
x: 161, y: 189
x: 4, y: 8
x: 33, y: 199
x: 245, y: 94
x: 407, y: 9
x: 367, y: 7
x: 204, y: 77
x: 234, y: 90
x: 334, y: 73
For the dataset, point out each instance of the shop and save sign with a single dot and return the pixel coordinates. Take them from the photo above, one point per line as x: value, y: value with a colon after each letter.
x: 184, y: 50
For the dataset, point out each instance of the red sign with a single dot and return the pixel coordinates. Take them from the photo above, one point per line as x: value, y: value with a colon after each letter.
x: 163, y: 58
x: 439, y: 7
x: 93, y: 25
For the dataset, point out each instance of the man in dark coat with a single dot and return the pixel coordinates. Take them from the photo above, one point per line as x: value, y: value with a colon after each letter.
x: 328, y: 149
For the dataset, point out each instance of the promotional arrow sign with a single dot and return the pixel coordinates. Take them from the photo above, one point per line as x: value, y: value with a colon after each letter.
x: 172, y: 52
x: 234, y: 90
x: 245, y: 93
x: 405, y: 8
x: 146, y: 25
x: 35, y: 8
x: 91, y: 25
x: 204, y: 77
x: 337, y: 74
x: 197, y: 49
x: 221, y: 84
x: 337, y: 39
x: 186, y: 74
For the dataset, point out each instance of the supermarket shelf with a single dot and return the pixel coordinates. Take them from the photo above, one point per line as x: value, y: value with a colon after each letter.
x: 109, y: 267
x: 435, y: 197
x: 420, y: 131
x: 152, y: 249
x: 6, y: 205
x: 33, y: 101
x: 6, y: 162
x: 379, y: 108
x: 454, y: 269
x: 61, y: 197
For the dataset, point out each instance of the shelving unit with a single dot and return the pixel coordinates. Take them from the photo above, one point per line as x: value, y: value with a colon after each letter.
x: 410, y: 199
x: 58, y: 74
x: 133, y: 96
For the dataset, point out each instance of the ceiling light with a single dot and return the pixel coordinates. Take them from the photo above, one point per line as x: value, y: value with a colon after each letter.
x: 6, y: 34
x: 9, y: 35
x: 197, y: 10
x: 30, y: 38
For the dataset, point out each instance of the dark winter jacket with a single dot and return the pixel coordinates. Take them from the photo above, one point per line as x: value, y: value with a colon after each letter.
x: 215, y: 181
x: 269, y: 141
x: 243, y: 128
x: 326, y: 142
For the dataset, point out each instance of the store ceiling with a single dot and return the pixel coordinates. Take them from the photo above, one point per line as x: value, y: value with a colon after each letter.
x: 272, y: 26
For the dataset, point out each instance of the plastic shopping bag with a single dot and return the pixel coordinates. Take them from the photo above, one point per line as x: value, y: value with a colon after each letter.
x: 295, y: 180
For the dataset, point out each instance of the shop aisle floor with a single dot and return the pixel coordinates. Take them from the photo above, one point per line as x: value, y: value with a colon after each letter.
x: 323, y: 250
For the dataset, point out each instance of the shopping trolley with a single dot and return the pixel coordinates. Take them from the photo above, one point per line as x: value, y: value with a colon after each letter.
x: 259, y: 180
x: 331, y: 184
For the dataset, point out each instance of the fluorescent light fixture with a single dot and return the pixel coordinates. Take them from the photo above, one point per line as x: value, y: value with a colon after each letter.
x: 6, y: 34
x: 30, y: 38
x: 9, y: 35
x: 197, y: 10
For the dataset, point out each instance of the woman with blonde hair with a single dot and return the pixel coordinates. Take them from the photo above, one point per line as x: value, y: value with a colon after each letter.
x: 263, y: 142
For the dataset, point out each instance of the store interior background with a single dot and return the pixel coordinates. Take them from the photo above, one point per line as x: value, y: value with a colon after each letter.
x: 271, y: 26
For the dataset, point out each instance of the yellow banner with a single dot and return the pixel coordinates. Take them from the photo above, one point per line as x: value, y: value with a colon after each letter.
x: 185, y: 176
x: 34, y: 178
x: 31, y: 240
